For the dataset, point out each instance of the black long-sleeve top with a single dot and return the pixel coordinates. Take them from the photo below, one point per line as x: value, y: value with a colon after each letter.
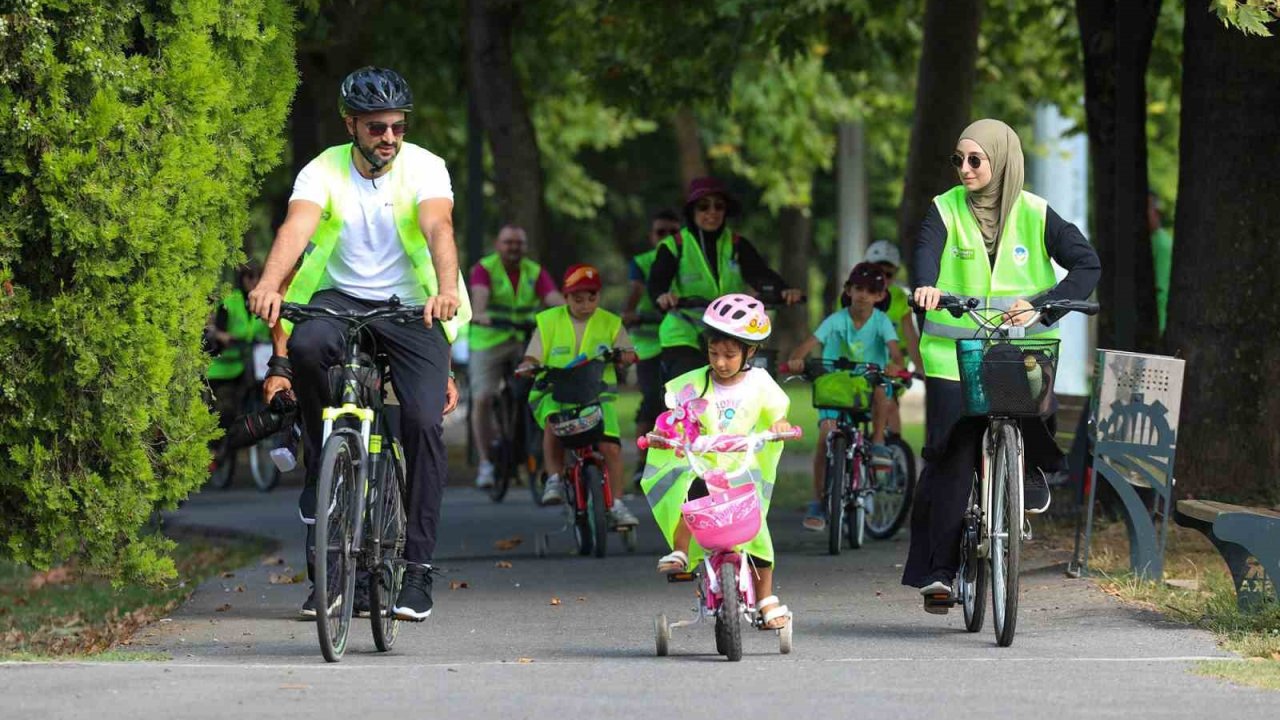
x: 755, y: 271
x: 1064, y: 242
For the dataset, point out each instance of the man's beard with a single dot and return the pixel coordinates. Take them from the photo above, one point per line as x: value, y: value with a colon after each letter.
x: 376, y: 160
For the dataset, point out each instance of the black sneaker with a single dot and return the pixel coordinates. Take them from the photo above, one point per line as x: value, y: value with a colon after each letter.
x: 362, y: 607
x: 414, y: 603
x: 1035, y: 492
x: 308, y: 611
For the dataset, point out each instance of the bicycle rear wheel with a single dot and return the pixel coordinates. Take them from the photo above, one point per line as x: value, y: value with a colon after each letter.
x: 837, y: 470
x: 730, y: 613
x: 892, y: 499
x: 971, y: 580
x: 337, y: 508
x: 389, y: 528
x: 265, y: 473
x: 597, y: 513
x: 1006, y: 532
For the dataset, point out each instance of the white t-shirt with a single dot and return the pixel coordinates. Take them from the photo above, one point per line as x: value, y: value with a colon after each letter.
x: 369, y: 261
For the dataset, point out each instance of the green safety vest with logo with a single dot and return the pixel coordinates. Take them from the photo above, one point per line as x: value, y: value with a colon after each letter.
x: 561, y: 347
x: 693, y: 279
x: 666, y: 479
x: 517, y: 304
x: 241, y: 326
x: 1022, y: 270
x: 645, y: 335
x: 336, y: 163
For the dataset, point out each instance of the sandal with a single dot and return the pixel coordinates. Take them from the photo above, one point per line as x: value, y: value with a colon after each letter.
x: 776, y: 611
x: 673, y: 563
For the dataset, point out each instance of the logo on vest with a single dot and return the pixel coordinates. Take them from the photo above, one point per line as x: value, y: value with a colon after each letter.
x: 960, y: 253
x: 1020, y: 255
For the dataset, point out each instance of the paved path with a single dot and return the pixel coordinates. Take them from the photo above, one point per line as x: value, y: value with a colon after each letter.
x: 499, y: 647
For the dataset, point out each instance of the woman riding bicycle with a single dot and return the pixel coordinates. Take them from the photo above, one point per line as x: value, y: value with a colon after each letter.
x: 985, y: 238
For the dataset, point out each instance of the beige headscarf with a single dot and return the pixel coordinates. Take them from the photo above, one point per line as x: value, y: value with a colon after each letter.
x: 991, y: 204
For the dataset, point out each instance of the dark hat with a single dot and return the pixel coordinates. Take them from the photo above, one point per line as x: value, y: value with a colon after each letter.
x: 867, y: 275
x: 704, y: 186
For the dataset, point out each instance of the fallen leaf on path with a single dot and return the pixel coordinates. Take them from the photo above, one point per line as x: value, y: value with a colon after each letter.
x: 239, y: 588
x: 502, y: 564
x: 524, y: 661
x: 223, y: 607
x: 581, y: 599
x: 555, y: 601
x: 280, y: 579
x: 273, y: 560
x: 510, y: 543
x: 878, y: 593
x: 458, y: 585
x: 228, y: 574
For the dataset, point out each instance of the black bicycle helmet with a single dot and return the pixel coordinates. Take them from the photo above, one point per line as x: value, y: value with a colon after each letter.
x: 374, y: 89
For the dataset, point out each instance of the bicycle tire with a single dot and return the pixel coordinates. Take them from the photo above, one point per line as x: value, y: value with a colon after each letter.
x: 892, y: 505
x: 389, y: 523
x: 837, y: 470
x: 855, y: 527
x: 224, y: 470
x: 502, y: 451
x: 971, y: 580
x: 1006, y: 520
x: 581, y: 519
x: 731, y: 609
x: 265, y: 473
x: 597, y: 513
x: 336, y: 506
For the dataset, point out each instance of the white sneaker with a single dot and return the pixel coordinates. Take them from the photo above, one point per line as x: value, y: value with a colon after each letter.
x: 484, y: 475
x: 553, y: 493
x: 622, y: 516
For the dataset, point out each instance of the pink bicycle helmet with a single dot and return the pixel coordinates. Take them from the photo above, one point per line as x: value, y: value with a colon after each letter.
x: 738, y: 316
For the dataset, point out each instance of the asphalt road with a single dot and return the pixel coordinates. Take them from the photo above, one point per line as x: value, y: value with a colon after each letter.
x: 500, y: 647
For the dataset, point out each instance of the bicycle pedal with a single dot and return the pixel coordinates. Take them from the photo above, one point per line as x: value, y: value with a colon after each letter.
x: 940, y: 600
x: 682, y: 577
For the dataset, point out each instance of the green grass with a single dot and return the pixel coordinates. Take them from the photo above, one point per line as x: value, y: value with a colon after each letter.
x: 67, y: 614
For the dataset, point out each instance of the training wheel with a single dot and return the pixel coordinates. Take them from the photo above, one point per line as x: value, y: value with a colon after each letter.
x: 784, y: 637
x: 662, y: 634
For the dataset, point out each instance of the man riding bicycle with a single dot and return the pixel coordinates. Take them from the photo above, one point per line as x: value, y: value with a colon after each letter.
x: 509, y: 287
x: 375, y: 216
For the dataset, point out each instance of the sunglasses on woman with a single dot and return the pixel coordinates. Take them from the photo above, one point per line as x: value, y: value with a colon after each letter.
x: 710, y: 205
x: 378, y: 129
x: 958, y: 160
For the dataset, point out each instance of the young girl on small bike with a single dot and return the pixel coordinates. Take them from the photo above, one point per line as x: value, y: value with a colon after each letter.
x: 727, y: 396
x: 861, y: 333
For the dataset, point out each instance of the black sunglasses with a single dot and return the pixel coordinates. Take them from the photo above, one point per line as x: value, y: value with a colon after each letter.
x: 378, y: 129
x: 957, y: 160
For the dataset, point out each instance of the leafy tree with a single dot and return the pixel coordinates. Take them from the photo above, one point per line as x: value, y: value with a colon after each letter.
x: 133, y: 136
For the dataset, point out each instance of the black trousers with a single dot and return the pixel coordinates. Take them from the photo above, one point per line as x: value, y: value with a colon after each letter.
x: 419, y: 359
x: 953, y: 447
x: 649, y: 377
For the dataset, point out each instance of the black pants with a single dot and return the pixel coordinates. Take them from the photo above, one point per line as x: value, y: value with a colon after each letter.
x: 649, y: 376
x: 680, y: 359
x: 419, y: 359
x: 953, y: 447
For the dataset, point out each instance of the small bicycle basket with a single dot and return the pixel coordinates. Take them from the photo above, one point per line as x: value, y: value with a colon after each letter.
x: 580, y: 385
x: 579, y: 426
x: 724, y: 520
x: 1007, y: 377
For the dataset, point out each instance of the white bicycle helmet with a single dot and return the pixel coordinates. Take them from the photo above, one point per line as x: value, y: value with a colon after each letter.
x: 883, y: 251
x: 738, y: 316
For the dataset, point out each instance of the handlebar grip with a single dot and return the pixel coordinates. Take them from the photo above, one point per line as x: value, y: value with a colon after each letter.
x: 642, y: 442
x: 794, y: 433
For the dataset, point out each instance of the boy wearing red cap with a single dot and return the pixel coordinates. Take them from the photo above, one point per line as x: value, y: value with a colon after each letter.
x: 579, y: 331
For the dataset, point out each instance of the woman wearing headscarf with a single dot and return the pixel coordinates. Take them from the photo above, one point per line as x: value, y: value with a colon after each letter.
x: 706, y: 260
x: 986, y: 238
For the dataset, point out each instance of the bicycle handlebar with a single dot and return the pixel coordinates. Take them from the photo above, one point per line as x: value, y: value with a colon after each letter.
x: 718, y: 443
x: 958, y: 306
x: 296, y: 313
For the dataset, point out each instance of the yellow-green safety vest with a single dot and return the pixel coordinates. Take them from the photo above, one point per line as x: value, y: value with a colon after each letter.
x: 645, y: 335
x: 514, y: 304
x: 229, y: 364
x: 694, y: 279
x: 1022, y: 270
x: 561, y: 347
x: 336, y: 165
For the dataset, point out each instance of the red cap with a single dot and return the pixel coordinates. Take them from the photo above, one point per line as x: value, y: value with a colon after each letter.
x: 581, y: 277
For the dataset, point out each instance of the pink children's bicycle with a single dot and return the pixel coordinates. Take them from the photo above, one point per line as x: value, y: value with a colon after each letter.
x: 723, y: 521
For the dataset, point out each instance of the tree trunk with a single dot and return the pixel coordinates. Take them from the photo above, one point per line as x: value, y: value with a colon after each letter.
x: 693, y: 162
x: 504, y: 113
x: 795, y: 229
x: 1115, y: 109
x: 944, y: 95
x: 1224, y: 299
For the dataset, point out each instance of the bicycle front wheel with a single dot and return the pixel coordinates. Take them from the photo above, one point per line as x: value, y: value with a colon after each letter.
x: 730, y: 612
x: 597, y: 513
x: 388, y: 562
x: 1006, y: 532
x: 855, y: 524
x: 337, y: 508
x: 837, y: 470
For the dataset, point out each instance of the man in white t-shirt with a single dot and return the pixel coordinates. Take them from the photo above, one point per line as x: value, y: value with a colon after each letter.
x: 377, y: 214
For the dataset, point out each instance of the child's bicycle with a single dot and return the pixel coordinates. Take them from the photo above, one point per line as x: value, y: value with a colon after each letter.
x: 580, y: 427
x: 1005, y: 376
x: 857, y: 500
x: 721, y: 522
